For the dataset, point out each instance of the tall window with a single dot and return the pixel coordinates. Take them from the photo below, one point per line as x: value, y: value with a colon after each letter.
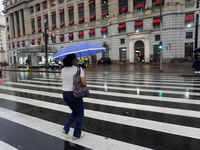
x: 80, y: 35
x: 81, y: 13
x: 53, y: 2
x: 122, y: 53
x: 71, y: 15
x: 156, y: 23
x: 61, y: 37
x: 92, y: 33
x: 44, y: 4
x: 188, y: 50
x: 33, y: 25
x: 92, y: 10
x: 123, y: 6
x: 139, y: 5
x: 104, y: 32
x: 39, y: 24
x: 71, y: 36
x: 31, y: 9
x: 156, y: 3
x: 104, y: 8
x: 18, y: 24
x: 138, y: 26
x: 38, y: 7
x: 189, y: 20
x: 122, y: 28
x: 62, y: 18
x: 23, y: 26
x: 53, y: 14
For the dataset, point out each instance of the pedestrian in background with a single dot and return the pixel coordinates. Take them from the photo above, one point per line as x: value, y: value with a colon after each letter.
x: 75, y: 104
x: 196, y: 61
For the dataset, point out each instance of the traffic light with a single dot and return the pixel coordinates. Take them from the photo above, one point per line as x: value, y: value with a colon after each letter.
x: 160, y: 45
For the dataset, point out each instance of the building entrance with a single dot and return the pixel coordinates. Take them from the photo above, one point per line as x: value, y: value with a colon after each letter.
x: 139, y: 51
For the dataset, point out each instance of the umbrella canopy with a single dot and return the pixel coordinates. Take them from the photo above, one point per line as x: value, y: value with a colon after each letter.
x: 80, y: 49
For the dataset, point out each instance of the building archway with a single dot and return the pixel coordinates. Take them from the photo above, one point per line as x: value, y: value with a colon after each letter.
x: 139, y: 51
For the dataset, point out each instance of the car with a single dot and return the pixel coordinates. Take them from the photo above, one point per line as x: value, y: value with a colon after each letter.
x: 56, y: 64
x: 105, y: 60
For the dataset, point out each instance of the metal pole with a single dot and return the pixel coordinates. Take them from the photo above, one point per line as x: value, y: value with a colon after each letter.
x: 45, y: 35
x: 197, y: 25
x: 161, y: 51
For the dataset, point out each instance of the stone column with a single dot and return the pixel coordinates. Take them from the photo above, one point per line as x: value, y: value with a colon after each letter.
x: 11, y: 26
x: 57, y: 15
x: 149, y: 4
x: 98, y: 9
x: 130, y: 5
x: 49, y: 14
x: 66, y: 14
x: 15, y: 23
x: 21, y: 22
x: 131, y: 50
x: 113, y: 7
x: 27, y: 21
x: 86, y: 11
x: 76, y: 17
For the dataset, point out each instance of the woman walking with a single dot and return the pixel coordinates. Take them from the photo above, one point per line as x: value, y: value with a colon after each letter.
x: 75, y: 104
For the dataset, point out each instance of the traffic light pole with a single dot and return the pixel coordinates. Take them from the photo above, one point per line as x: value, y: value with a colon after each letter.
x: 161, y: 51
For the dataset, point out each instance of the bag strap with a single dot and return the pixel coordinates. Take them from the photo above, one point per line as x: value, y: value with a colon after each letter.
x: 78, y: 70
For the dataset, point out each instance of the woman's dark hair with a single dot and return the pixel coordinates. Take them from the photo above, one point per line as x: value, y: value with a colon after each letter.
x: 68, y: 60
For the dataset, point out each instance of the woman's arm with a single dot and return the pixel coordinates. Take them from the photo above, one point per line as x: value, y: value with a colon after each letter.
x: 83, y: 79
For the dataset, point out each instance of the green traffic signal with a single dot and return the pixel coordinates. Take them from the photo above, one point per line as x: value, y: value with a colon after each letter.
x: 160, y: 45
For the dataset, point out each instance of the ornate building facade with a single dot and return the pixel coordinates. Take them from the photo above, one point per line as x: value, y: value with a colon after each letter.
x: 127, y: 28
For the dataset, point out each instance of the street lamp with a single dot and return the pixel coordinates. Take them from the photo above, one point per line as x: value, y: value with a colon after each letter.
x: 197, y: 24
x: 161, y: 50
x: 45, y: 41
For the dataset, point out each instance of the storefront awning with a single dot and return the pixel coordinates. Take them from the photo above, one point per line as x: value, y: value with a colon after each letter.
x: 33, y: 41
x: 38, y: 40
x: 38, y: 18
x: 70, y: 35
x: 104, y: 13
x: 122, y: 26
x: 80, y: 5
x: 138, y: 23
x: 104, y: 29
x: 71, y: 22
x: 17, y: 43
x: 46, y: 15
x: 53, y: 13
x: 158, y: 2
x: 23, y: 42
x: 38, y: 6
x: 91, y: 31
x: 45, y: 4
x: 13, y: 44
x: 92, y: 16
x: 62, y: 10
x: 62, y: 23
x: 140, y: 5
x: 123, y: 9
x: 80, y: 33
x: 54, y: 25
x: 91, y: 2
x: 61, y: 36
x: 189, y: 17
x: 70, y: 8
x: 81, y: 19
x: 156, y: 20
x: 33, y: 30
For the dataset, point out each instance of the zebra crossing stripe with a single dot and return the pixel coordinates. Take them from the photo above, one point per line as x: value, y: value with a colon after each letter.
x: 129, y: 89
x: 180, y: 130
x: 5, y: 146
x: 118, y: 84
x: 167, y: 99
x: 91, y: 141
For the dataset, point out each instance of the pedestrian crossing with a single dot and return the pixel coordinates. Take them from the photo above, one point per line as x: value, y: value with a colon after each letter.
x: 123, y: 113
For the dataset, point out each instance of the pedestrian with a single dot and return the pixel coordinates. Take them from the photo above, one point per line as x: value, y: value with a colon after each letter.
x: 196, y: 61
x: 76, y: 105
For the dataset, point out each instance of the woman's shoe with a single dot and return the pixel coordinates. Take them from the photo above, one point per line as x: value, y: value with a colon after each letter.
x: 75, y: 138
x: 63, y: 131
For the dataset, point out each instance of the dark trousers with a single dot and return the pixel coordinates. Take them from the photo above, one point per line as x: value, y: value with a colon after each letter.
x: 196, y: 65
x: 77, y: 107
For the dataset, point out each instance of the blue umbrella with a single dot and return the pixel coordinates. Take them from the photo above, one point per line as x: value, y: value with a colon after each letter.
x: 80, y: 49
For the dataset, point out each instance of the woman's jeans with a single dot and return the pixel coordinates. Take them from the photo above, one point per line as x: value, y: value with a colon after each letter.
x: 196, y: 65
x: 77, y: 107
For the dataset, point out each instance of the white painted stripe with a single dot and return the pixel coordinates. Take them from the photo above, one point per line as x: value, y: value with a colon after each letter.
x: 107, y: 87
x: 172, y: 111
x: 129, y: 82
x: 116, y: 83
x: 167, y: 99
x: 5, y: 146
x: 190, y: 132
x: 91, y: 141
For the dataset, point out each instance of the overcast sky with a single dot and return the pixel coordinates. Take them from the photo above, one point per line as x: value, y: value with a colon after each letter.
x: 1, y: 6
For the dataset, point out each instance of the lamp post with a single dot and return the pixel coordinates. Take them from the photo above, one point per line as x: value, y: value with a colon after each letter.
x: 161, y: 50
x: 196, y: 26
x: 45, y: 41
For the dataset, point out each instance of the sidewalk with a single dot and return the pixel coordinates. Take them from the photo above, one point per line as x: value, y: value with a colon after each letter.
x: 185, y: 70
